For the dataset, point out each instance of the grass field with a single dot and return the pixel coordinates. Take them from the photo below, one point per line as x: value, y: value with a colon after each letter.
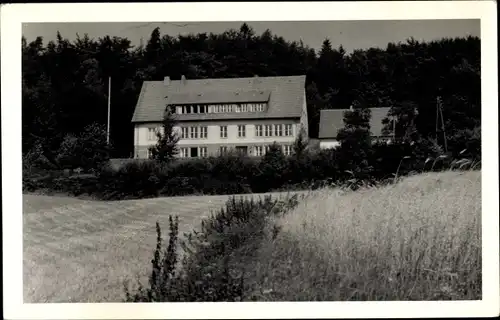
x: 81, y: 251
x: 419, y: 239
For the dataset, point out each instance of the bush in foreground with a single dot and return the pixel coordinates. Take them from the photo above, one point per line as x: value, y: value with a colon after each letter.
x: 215, y: 261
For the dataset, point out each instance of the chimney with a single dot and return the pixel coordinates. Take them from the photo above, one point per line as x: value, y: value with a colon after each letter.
x: 166, y: 80
x: 183, y: 80
x: 256, y: 79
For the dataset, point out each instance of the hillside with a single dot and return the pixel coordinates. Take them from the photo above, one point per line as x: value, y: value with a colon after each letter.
x: 419, y: 239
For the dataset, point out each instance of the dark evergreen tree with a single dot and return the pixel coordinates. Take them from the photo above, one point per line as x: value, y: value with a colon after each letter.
x: 272, y: 167
x: 166, y: 148
x: 300, y: 144
x: 355, y: 141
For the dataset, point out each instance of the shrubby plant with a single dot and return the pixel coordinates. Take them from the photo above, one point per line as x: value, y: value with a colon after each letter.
x: 87, y: 150
x: 212, y: 267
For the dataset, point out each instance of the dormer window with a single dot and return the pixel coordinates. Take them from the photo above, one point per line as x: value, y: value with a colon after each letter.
x: 218, y: 108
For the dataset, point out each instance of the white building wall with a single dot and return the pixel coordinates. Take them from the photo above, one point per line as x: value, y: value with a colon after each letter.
x: 333, y: 143
x: 328, y: 143
x: 142, y: 140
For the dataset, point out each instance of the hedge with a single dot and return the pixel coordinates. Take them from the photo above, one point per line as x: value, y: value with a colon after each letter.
x: 238, y: 174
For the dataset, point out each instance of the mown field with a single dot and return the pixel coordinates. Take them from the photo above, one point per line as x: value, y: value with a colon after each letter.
x: 81, y: 251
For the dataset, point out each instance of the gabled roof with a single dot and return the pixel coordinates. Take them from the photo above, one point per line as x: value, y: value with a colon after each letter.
x: 285, y: 96
x: 333, y: 119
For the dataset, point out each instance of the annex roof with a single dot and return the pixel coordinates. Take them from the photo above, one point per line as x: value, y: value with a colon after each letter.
x: 332, y: 120
x: 285, y: 96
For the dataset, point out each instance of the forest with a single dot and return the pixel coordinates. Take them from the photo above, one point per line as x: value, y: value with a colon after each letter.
x: 65, y: 83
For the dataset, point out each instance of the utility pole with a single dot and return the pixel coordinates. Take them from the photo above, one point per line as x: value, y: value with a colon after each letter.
x: 442, y: 127
x: 439, y: 113
x: 394, y: 128
x: 437, y: 117
x: 109, y: 108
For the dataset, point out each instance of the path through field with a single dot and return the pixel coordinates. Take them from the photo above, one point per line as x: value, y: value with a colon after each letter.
x: 81, y: 251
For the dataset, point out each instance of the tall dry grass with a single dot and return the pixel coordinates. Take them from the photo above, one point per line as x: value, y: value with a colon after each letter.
x: 419, y: 239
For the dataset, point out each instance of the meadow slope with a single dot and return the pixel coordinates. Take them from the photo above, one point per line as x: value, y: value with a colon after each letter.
x: 419, y: 239
x: 81, y: 251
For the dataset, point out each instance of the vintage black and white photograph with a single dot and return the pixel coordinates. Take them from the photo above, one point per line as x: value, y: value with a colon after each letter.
x: 251, y: 161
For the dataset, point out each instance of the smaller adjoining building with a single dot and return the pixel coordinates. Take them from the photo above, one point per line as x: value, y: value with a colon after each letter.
x: 332, y: 120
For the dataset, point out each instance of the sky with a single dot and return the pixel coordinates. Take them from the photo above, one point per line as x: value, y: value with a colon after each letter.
x: 350, y: 34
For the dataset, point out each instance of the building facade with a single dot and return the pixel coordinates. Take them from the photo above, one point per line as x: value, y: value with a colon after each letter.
x: 218, y: 115
x: 332, y: 120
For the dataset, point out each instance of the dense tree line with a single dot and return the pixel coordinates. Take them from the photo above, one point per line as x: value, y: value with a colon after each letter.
x: 65, y: 82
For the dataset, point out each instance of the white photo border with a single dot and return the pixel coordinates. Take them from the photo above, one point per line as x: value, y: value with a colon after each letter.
x: 12, y: 17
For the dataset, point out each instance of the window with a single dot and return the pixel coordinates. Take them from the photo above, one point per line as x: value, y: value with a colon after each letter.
x: 194, y: 132
x: 242, y: 149
x: 241, y: 131
x: 268, y: 130
x: 193, y: 153
x: 278, y: 129
x: 244, y: 108
x: 260, y: 107
x: 203, y: 152
x: 267, y: 148
x: 258, y: 130
x: 259, y: 151
x: 150, y: 153
x: 223, y: 131
x: 185, y: 133
x: 222, y: 150
x: 287, y: 150
x: 288, y: 130
x: 238, y: 108
x: 184, y: 153
x: 203, y: 132
x: 152, y: 134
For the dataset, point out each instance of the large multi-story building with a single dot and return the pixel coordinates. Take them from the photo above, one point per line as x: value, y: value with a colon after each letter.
x: 217, y: 115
